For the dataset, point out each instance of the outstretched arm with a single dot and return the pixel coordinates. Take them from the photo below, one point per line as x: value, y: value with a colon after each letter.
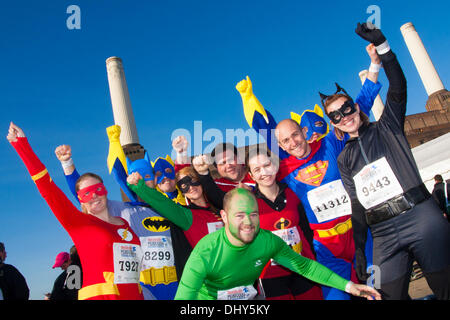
x: 64, y: 155
x: 316, y: 272
x: 258, y: 118
x: 395, y: 106
x: 117, y: 164
x: 213, y: 193
x: 176, y: 213
x: 66, y: 213
x: 371, y: 87
x: 180, y: 145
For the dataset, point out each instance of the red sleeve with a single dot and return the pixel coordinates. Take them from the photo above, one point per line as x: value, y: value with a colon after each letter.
x: 66, y: 213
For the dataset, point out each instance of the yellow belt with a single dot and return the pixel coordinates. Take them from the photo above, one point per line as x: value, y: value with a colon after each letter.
x: 99, y: 289
x: 154, y: 276
x: 340, y: 228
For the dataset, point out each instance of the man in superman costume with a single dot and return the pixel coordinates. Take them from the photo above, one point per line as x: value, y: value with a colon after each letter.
x: 165, y: 248
x: 310, y: 170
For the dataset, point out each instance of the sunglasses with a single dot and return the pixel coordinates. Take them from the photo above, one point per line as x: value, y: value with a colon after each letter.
x: 347, y: 108
x: 185, y: 184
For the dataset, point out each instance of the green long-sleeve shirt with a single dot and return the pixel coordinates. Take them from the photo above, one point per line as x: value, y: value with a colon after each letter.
x: 218, y: 269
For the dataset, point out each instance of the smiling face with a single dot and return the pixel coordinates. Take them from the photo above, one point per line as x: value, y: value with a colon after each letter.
x: 227, y: 165
x: 349, y: 123
x: 262, y: 170
x: 97, y: 203
x: 292, y: 139
x: 194, y: 188
x: 241, y: 217
x: 167, y: 185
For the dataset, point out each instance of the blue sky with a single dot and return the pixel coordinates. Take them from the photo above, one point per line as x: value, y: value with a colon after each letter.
x: 182, y: 61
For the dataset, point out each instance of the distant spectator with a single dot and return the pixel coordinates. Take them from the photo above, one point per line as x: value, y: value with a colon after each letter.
x: 13, y: 285
x: 60, y: 289
x: 439, y: 194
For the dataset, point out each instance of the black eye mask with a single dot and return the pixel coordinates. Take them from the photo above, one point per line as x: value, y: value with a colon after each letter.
x: 347, y: 108
x: 185, y: 183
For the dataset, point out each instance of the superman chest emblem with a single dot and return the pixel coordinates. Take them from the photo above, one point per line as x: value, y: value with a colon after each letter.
x: 313, y: 174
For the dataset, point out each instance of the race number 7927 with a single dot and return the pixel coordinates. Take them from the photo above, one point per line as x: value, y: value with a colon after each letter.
x: 379, y: 184
x: 129, y: 265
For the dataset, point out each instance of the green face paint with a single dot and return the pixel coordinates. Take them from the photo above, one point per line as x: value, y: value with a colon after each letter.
x: 243, y: 217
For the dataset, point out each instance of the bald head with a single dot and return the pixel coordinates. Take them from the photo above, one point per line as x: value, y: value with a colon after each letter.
x: 238, y: 195
x: 240, y: 216
x: 292, y: 138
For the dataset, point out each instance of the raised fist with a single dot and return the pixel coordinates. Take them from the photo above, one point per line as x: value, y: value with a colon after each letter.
x: 134, y: 178
x: 113, y: 132
x: 372, y: 52
x: 201, y: 164
x: 14, y: 132
x: 180, y: 144
x: 245, y: 88
x: 63, y: 152
x: 369, y: 32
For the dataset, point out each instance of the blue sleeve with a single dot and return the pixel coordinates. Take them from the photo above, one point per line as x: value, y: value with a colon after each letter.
x: 120, y: 176
x: 267, y: 130
x: 367, y: 95
x: 71, y: 180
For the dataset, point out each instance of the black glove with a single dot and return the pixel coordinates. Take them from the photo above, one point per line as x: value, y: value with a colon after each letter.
x: 361, y: 266
x: 369, y: 32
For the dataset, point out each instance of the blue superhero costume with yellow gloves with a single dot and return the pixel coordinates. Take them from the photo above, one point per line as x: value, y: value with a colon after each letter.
x: 316, y: 180
x: 164, y: 246
x: 165, y: 168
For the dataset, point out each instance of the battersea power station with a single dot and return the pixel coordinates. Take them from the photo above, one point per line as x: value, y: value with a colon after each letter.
x: 435, y: 121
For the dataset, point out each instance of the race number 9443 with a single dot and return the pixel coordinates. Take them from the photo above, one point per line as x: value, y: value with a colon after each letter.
x: 374, y: 187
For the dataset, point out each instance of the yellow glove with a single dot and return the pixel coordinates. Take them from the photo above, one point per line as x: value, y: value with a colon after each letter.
x: 115, y: 148
x: 249, y: 101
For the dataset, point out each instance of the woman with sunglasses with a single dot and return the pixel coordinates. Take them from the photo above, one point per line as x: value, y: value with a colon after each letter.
x: 197, y: 218
x: 387, y: 193
x: 108, y: 248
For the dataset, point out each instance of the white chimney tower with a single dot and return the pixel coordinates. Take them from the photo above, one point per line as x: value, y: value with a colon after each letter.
x: 424, y: 65
x: 120, y: 100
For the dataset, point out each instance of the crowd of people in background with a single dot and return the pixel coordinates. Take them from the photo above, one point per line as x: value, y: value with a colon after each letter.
x: 304, y: 219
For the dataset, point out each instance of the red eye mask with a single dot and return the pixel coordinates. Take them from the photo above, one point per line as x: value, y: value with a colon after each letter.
x: 87, y: 193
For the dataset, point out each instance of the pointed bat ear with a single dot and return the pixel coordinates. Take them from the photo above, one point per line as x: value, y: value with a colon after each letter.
x: 169, y: 159
x: 322, y: 96
x: 338, y: 87
x: 296, y: 117
x: 146, y: 157
x: 129, y: 162
x: 318, y: 110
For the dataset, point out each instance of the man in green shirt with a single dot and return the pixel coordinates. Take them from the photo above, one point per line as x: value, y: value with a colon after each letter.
x: 226, y: 263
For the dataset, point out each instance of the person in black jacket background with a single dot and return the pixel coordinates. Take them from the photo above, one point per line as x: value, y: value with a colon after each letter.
x: 438, y: 194
x: 13, y: 285
x: 380, y: 175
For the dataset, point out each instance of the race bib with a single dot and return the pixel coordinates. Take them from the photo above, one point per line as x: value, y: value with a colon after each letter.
x: 289, y: 235
x: 214, y: 226
x: 127, y: 258
x: 376, y: 183
x: 238, y: 293
x: 157, y: 252
x: 329, y: 201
